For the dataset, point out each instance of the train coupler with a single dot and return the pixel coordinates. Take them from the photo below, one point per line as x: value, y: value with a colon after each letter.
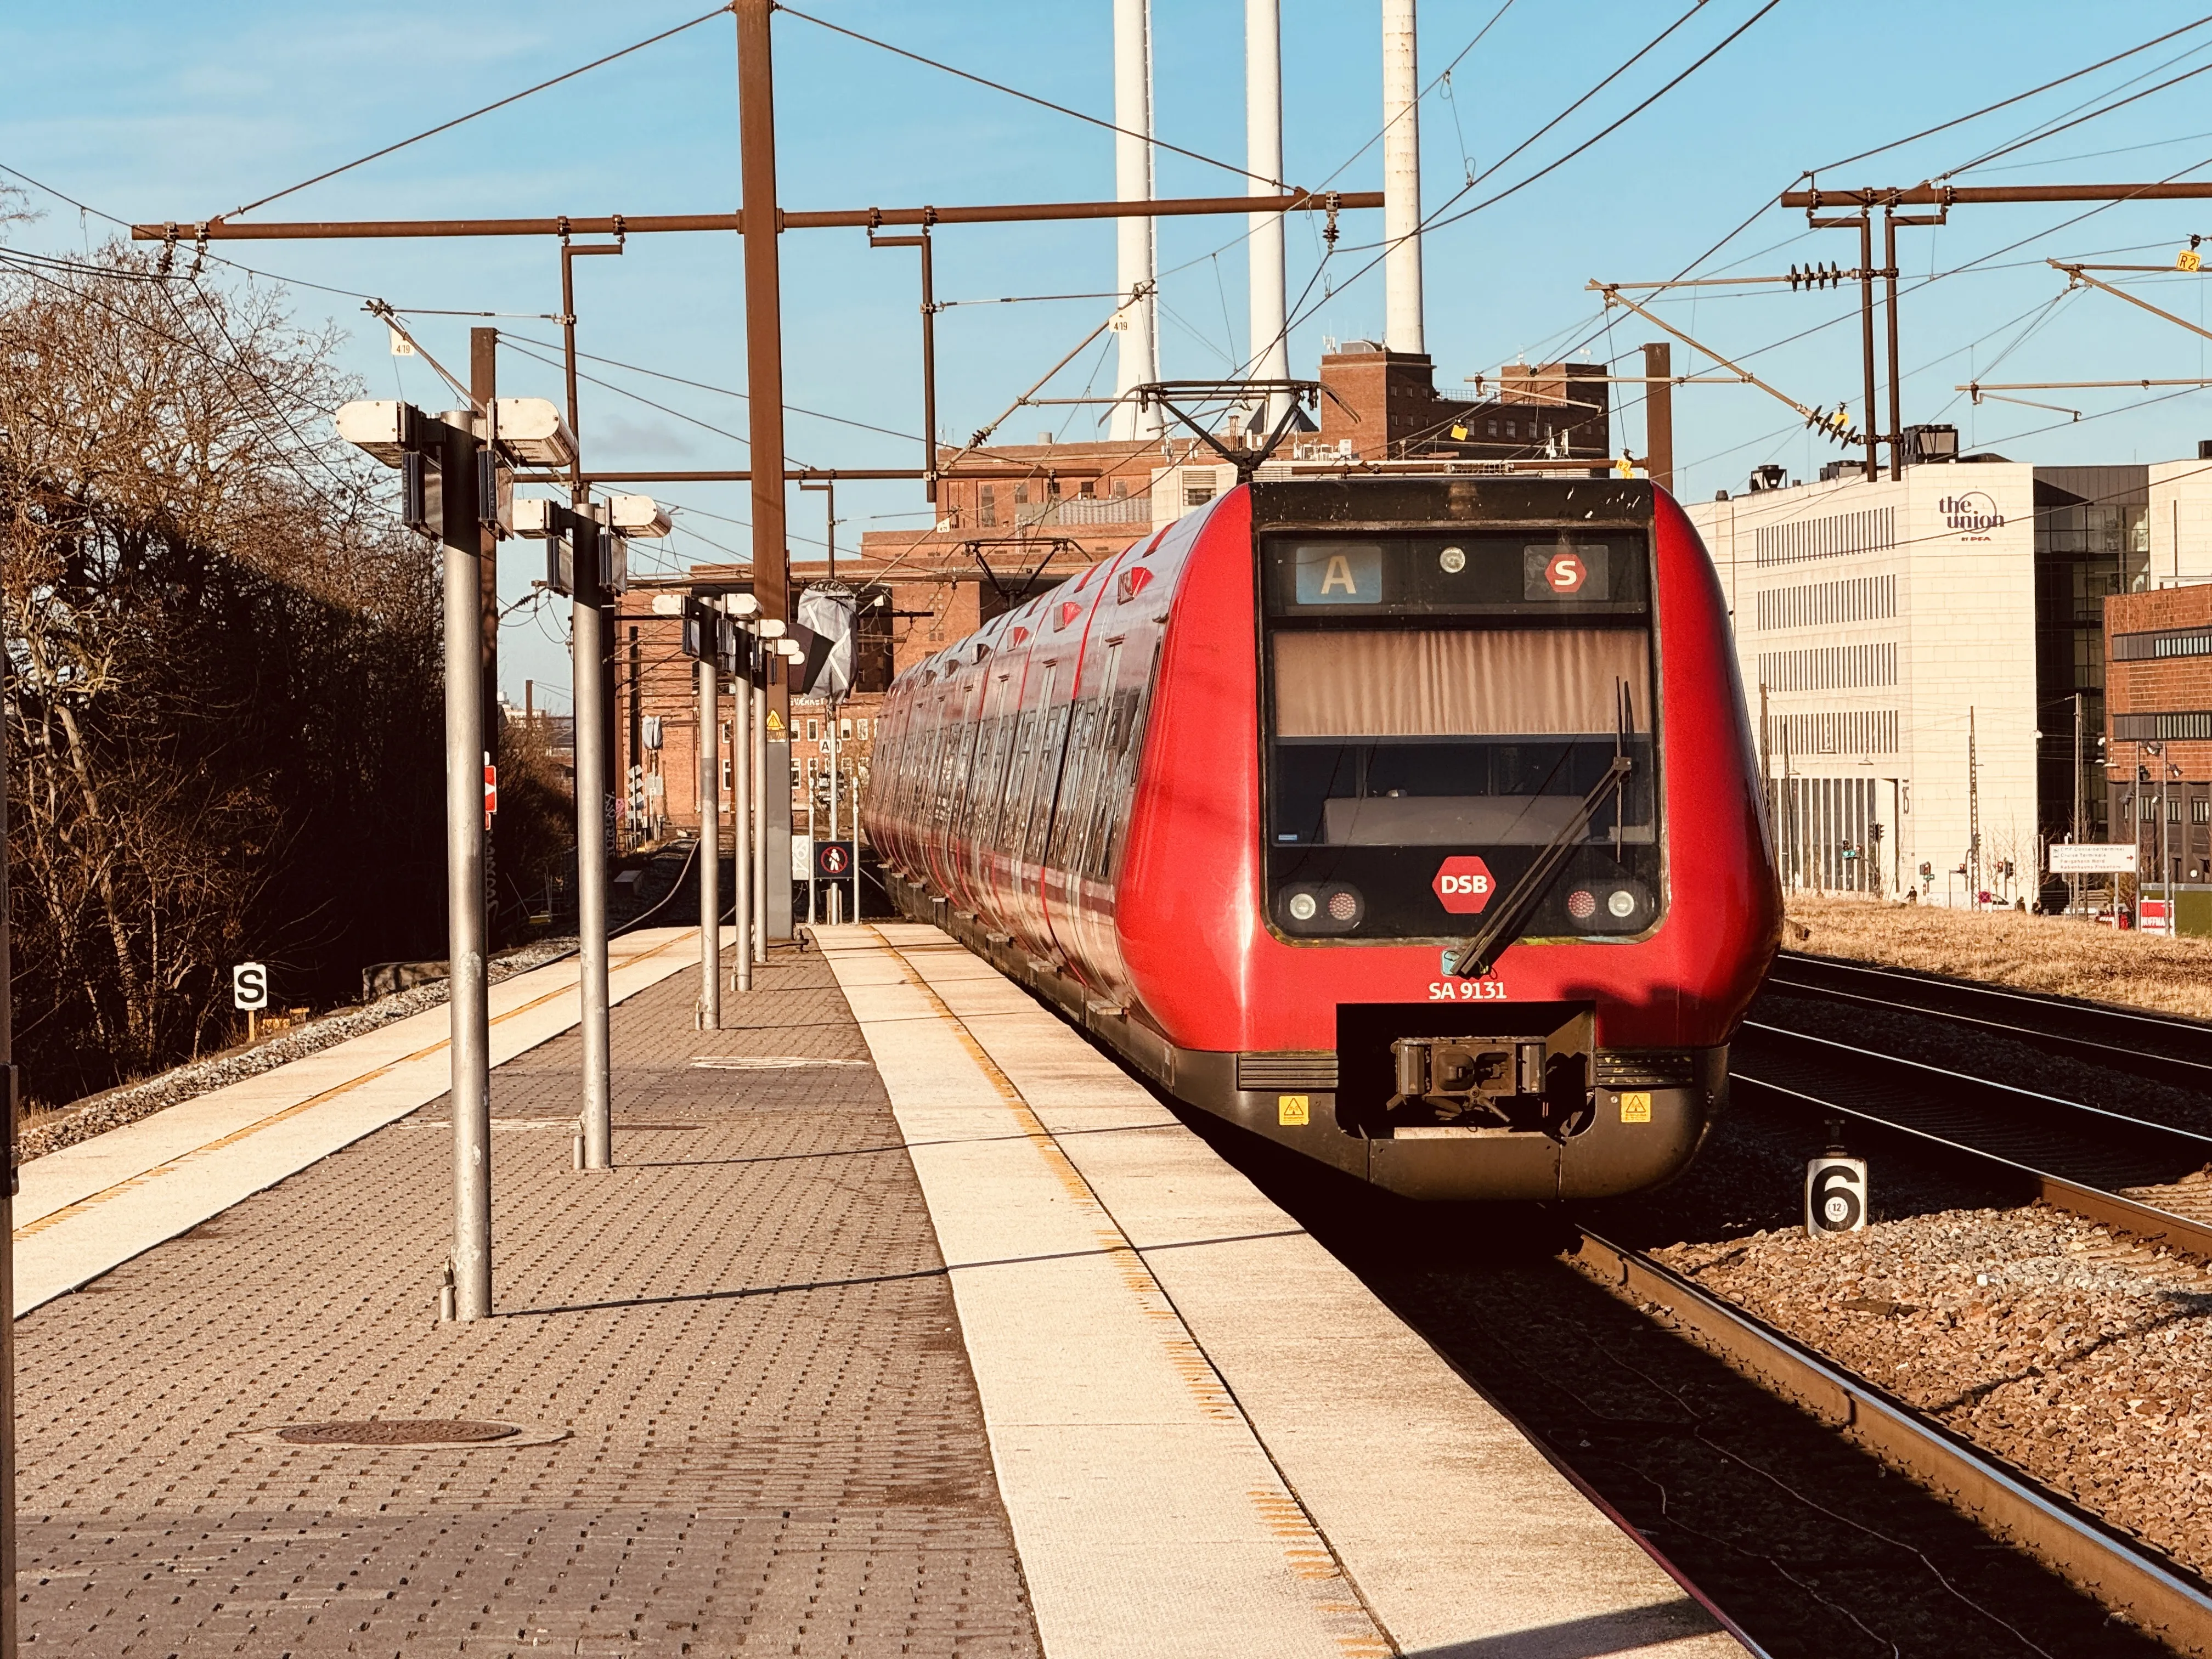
x: 1511, y: 1083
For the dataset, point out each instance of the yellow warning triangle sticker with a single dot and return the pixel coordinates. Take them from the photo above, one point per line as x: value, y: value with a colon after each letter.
x: 775, y: 723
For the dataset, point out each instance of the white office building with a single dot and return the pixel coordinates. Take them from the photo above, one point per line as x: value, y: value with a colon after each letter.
x: 1918, y: 646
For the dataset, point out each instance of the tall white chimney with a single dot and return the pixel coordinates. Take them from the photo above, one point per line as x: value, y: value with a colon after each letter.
x: 1263, y: 161
x: 1138, y: 361
x: 1401, y: 179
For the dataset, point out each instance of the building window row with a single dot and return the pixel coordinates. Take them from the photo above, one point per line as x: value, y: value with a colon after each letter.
x: 1835, y: 536
x: 2164, y: 642
x: 2148, y: 728
x: 1829, y: 667
x: 1850, y: 732
x: 1821, y: 604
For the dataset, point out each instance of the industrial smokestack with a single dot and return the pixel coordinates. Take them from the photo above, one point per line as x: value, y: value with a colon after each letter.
x: 1263, y: 161
x: 1401, y: 179
x: 1138, y: 362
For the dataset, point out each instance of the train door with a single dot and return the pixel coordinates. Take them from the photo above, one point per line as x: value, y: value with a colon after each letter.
x: 1049, y: 735
x: 1069, y: 901
x: 987, y: 786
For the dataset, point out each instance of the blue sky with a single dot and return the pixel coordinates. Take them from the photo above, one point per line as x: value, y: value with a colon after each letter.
x: 154, y: 113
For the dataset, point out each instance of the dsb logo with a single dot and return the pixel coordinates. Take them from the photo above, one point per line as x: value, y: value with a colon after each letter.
x: 1463, y: 884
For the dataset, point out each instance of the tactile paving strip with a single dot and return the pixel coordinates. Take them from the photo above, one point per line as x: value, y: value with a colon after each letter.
x: 775, y: 1441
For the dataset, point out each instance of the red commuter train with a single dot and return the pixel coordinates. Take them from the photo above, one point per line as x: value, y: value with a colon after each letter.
x: 1413, y: 821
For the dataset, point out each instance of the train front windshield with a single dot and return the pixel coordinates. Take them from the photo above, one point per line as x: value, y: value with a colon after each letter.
x: 1441, y: 709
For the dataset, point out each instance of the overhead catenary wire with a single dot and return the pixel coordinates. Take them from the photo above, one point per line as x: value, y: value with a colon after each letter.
x: 458, y: 120
x: 1237, y: 168
x: 2066, y: 126
x: 2006, y: 103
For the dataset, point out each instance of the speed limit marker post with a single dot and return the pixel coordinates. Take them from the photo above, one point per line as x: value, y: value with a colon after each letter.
x: 249, y: 994
x: 1835, y: 1189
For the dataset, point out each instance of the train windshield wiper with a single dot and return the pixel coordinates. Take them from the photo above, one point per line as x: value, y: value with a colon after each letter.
x: 1510, y: 918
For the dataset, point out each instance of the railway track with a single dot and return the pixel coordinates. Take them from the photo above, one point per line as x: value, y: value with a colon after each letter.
x: 2152, y: 1592
x: 1746, y: 1460
x: 2144, y: 1178
x: 2160, y: 1047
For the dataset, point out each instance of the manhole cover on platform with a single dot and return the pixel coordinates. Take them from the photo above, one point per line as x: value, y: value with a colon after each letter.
x: 398, y: 1432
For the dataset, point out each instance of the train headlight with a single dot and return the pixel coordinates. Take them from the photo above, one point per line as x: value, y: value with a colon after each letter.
x: 1311, y: 908
x: 1621, y: 903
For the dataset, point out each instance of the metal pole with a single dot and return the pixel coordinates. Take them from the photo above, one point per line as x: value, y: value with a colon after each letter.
x: 764, y: 802
x: 764, y: 425
x: 1866, y: 329
x: 1889, y: 309
x: 836, y: 891
x: 763, y: 306
x: 741, y: 808
x: 2164, y: 852
x: 928, y: 372
x: 1659, y: 413
x: 1974, y: 818
x: 588, y: 672
x: 587, y: 675
x: 9, y: 1099
x: 2073, y: 882
x: 483, y: 391
x: 710, y: 852
x: 465, y: 866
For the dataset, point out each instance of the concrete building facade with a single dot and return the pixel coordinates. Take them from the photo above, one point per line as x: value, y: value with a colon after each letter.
x: 1917, y: 648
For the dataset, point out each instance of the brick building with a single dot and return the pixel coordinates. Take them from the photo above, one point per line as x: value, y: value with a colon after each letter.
x: 2158, y: 689
x: 1383, y: 405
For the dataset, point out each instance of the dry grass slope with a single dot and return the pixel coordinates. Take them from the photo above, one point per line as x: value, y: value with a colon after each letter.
x: 2057, y: 955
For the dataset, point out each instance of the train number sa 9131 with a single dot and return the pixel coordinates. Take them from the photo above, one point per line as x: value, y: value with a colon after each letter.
x: 1467, y: 990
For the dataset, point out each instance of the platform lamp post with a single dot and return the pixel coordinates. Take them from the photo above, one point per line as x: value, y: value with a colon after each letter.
x: 451, y: 487
x: 2157, y: 752
x: 742, y: 664
x: 587, y: 559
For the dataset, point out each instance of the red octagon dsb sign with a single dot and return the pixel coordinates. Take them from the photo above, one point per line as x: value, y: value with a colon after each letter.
x: 1463, y: 884
x: 1566, y: 572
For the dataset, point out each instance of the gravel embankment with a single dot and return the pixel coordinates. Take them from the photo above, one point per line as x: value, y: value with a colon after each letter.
x: 100, y: 1113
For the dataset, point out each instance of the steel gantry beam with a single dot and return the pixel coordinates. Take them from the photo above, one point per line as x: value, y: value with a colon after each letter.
x: 621, y: 224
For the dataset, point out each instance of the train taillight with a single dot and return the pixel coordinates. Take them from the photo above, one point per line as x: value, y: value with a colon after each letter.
x: 1317, y: 909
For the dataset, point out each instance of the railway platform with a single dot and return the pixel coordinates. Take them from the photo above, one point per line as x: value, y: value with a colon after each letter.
x: 907, y: 1324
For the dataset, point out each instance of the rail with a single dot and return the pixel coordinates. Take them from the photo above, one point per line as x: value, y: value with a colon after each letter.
x: 2081, y: 1158
x: 2156, y: 1594
x: 2161, y: 1046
